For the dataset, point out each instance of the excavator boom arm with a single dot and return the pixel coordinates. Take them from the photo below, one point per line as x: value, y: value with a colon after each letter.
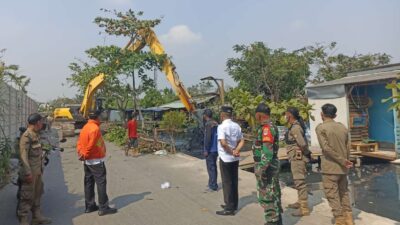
x: 150, y: 39
x: 88, y: 99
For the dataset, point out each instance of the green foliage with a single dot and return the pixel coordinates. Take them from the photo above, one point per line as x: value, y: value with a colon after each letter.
x: 9, y: 74
x: 274, y: 73
x: 61, y: 101
x: 154, y: 97
x: 5, y: 154
x: 121, y: 66
x: 125, y: 24
x: 173, y: 121
x: 278, y: 110
x: 117, y: 135
x: 168, y: 95
x: 331, y: 66
x: 395, y: 87
x: 245, y: 104
x: 201, y: 88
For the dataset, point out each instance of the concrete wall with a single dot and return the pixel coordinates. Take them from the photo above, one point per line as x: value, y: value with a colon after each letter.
x: 342, y: 114
x: 15, y: 107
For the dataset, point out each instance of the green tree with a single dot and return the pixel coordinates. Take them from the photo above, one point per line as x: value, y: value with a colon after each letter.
x: 331, y: 66
x: 154, y: 97
x: 244, y: 104
x: 275, y: 73
x: 121, y: 66
x: 9, y: 74
x: 168, y: 95
x: 173, y: 122
x: 61, y: 101
x: 201, y: 88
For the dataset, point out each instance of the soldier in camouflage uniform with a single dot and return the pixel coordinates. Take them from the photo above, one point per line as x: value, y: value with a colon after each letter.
x: 31, y: 190
x: 266, y: 166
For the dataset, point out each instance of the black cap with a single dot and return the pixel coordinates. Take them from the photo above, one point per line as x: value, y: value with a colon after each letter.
x: 263, y: 108
x: 227, y: 109
x: 94, y: 114
x: 208, y: 113
x: 34, y: 118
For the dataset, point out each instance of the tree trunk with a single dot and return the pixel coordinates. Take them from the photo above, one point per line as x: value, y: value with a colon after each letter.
x: 173, y: 149
x: 135, y: 102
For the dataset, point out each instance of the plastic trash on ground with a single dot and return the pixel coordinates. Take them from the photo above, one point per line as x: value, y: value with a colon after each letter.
x: 161, y: 152
x: 165, y: 185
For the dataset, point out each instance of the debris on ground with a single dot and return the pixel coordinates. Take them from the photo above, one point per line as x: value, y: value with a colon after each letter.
x: 161, y: 152
x: 165, y: 185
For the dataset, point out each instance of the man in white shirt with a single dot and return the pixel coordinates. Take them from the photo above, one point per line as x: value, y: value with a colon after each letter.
x: 230, y: 141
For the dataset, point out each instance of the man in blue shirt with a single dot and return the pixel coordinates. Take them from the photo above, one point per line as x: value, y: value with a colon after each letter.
x: 211, y: 148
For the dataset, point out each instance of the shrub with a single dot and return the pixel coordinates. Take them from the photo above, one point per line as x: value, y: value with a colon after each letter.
x: 173, y: 121
x: 117, y: 135
x: 5, y: 154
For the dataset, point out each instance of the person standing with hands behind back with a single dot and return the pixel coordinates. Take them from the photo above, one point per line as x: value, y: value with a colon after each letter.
x: 230, y: 142
x: 333, y: 138
x: 92, y: 151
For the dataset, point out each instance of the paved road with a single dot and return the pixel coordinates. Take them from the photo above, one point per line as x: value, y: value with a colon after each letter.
x: 134, y: 188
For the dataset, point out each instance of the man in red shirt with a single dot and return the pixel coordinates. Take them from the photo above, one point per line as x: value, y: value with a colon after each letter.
x: 132, y: 132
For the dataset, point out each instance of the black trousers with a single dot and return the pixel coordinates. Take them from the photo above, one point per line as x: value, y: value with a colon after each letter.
x: 211, y: 161
x: 230, y: 176
x: 96, y: 174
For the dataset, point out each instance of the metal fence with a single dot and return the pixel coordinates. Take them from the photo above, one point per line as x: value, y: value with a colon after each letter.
x: 15, y: 107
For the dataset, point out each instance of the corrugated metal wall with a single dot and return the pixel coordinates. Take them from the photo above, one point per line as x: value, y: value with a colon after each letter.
x: 15, y: 107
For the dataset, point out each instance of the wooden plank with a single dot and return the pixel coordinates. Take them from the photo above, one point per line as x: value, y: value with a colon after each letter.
x: 385, y: 155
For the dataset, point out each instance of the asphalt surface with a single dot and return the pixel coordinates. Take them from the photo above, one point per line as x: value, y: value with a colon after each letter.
x: 134, y: 187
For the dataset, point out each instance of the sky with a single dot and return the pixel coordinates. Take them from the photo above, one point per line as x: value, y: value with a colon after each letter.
x: 44, y: 36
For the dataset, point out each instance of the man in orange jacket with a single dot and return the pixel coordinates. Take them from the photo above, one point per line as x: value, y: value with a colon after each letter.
x: 92, y: 151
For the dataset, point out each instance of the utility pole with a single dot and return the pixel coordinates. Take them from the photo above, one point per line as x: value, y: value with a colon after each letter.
x: 155, y: 77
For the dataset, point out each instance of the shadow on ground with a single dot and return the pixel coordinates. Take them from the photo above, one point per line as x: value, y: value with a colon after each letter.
x: 125, y: 200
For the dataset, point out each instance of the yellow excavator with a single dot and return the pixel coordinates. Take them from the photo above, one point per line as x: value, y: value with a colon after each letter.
x: 149, y: 38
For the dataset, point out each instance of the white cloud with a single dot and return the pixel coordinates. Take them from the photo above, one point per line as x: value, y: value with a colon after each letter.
x: 298, y: 25
x: 181, y: 34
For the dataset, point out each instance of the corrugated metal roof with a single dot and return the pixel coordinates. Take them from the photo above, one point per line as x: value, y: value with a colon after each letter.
x: 361, y: 77
x: 173, y: 105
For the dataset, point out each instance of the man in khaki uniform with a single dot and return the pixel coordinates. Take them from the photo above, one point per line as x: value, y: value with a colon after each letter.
x: 298, y: 153
x: 31, y: 173
x: 333, y: 138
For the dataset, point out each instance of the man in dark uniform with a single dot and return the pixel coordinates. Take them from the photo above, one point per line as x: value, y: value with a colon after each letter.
x: 211, y: 148
x: 31, y: 173
x: 266, y: 166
